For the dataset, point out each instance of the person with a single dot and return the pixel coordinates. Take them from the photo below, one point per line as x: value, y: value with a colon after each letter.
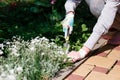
x: 108, y: 14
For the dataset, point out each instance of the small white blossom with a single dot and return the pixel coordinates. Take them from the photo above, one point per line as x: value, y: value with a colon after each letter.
x: 8, y: 43
x: 33, y: 41
x: 1, y: 68
x: 1, y: 52
x: 61, y: 52
x: 42, y: 53
x: 11, y: 71
x: 48, y: 45
x: 11, y: 77
x: 1, y: 46
x: 24, y: 78
x: 32, y: 48
x: 14, y: 52
x: 1, y: 78
x: 3, y: 75
x: 19, y: 69
x: 7, y: 66
x: 52, y: 43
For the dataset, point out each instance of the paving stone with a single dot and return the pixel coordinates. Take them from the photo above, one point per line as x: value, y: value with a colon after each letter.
x: 104, y: 51
x: 83, y: 70
x: 96, y: 76
x: 118, y: 63
x: 100, y: 69
x: 117, y: 48
x: 101, y: 76
x: 114, y: 54
x: 100, y: 61
x: 97, y: 67
x: 114, y: 76
x: 106, y: 48
x: 103, y: 54
x: 115, y: 71
x: 74, y: 77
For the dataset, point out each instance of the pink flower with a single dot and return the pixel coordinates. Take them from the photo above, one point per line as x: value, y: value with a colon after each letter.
x: 53, y: 1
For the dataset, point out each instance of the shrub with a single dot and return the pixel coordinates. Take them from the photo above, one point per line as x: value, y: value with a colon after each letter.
x: 37, y: 59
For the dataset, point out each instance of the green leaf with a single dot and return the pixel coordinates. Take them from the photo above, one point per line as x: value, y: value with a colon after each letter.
x: 1, y: 31
x: 84, y: 28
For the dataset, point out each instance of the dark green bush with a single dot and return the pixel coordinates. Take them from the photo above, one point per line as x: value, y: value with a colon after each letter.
x: 31, y: 18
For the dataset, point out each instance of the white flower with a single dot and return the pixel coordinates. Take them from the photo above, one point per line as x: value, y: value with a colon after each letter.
x: 24, y: 78
x: 42, y: 53
x: 43, y: 38
x: 1, y: 68
x: 61, y: 52
x: 52, y: 43
x: 19, y: 69
x: 1, y: 46
x: 35, y: 40
x: 11, y: 71
x: 48, y: 45
x: 14, y: 52
x: 3, y: 75
x: 1, y: 52
x: 7, y: 66
x: 32, y: 48
x: 8, y: 43
x: 11, y: 77
x: 1, y: 78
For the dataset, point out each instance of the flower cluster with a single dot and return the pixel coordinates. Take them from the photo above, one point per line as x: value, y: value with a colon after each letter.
x: 36, y: 59
x: 1, y: 48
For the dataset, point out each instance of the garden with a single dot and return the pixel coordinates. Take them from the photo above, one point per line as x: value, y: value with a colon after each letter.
x: 31, y: 38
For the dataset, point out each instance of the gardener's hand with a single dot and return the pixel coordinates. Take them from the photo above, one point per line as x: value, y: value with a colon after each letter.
x: 77, y: 55
x: 67, y: 23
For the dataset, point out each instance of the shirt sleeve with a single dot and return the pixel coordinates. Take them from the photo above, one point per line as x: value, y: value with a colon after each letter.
x: 71, y: 5
x: 104, y: 22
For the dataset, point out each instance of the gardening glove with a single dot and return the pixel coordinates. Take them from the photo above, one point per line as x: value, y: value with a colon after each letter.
x: 67, y: 24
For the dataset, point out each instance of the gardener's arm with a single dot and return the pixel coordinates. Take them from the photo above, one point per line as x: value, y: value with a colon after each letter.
x: 104, y: 22
x: 102, y: 26
x: 71, y: 5
x: 68, y: 22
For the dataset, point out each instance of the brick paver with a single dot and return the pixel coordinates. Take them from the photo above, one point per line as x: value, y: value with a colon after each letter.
x: 100, y: 69
x: 105, y: 65
x: 83, y: 70
x: 75, y: 77
x: 100, y: 76
x: 115, y: 54
x: 101, y: 61
x: 118, y: 63
x: 96, y: 76
x: 115, y: 70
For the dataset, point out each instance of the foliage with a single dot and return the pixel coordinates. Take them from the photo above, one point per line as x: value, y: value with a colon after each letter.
x: 25, y: 57
x: 31, y: 18
x: 37, y: 59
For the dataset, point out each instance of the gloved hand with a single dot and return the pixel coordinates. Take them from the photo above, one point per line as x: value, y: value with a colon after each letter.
x: 67, y: 24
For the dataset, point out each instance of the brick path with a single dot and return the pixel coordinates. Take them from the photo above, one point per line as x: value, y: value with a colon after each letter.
x: 104, y: 65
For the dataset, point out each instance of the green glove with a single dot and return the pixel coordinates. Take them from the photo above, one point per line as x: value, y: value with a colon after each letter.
x: 67, y: 24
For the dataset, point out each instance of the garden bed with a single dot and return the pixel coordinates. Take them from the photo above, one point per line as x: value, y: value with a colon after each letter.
x: 37, y: 59
x: 62, y: 74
